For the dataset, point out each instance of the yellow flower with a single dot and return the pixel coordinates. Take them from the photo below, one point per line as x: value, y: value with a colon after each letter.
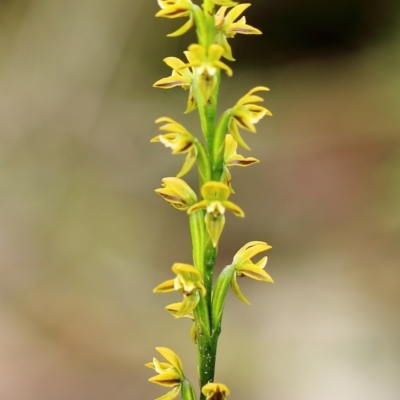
x: 169, y: 374
x: 227, y: 27
x: 177, y: 9
x: 180, y: 141
x: 227, y: 3
x: 188, y: 281
x: 205, y: 63
x: 231, y: 159
x: 215, y: 391
x: 181, y: 76
x: 177, y: 193
x: 245, y: 267
x: 215, y: 201
x: 244, y: 114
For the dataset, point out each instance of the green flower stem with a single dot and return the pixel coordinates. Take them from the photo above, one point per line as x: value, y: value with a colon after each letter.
x: 208, y: 7
x: 201, y: 27
x: 207, y: 352
x: 210, y: 256
x: 206, y: 349
x: 207, y: 110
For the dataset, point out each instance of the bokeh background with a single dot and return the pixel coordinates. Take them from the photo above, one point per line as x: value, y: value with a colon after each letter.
x: 84, y: 240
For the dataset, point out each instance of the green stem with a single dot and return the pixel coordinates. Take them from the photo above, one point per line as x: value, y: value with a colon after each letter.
x: 207, y: 346
x: 208, y: 7
x: 210, y: 256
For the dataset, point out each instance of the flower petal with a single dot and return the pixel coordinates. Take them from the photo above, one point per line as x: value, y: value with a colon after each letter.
x: 234, y: 131
x: 189, y: 303
x: 254, y: 272
x: 172, y: 357
x: 249, y: 250
x: 189, y: 162
x: 236, y: 290
x: 215, y: 226
x: 183, y: 29
x: 168, y: 378
x: 167, y: 286
x: 234, y: 208
x: 173, y: 394
x: 171, y: 81
x: 240, y: 161
x: 234, y: 12
x: 214, y: 190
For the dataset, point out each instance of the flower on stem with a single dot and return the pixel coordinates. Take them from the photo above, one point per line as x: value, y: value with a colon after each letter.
x: 188, y: 281
x: 177, y: 193
x: 245, y: 267
x: 169, y: 374
x: 181, y: 76
x: 226, y: 3
x: 215, y: 391
x: 177, y: 9
x: 179, y: 140
x: 215, y: 201
x: 231, y: 159
x: 205, y: 63
x: 227, y: 28
x: 244, y: 114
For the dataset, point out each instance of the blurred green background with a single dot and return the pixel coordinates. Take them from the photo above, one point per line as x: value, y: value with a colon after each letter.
x: 84, y: 239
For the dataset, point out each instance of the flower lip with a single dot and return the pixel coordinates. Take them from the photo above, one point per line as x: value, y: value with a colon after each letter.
x: 215, y: 391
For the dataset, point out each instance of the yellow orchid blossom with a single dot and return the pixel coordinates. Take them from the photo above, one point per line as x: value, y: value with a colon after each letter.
x: 227, y: 28
x: 215, y: 201
x: 188, y: 281
x: 180, y: 140
x: 205, y: 63
x: 177, y: 9
x: 245, y: 267
x: 169, y: 374
x: 181, y: 76
x: 244, y: 114
x: 226, y: 3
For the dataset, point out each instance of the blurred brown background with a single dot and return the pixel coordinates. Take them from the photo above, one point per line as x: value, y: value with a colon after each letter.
x: 84, y: 240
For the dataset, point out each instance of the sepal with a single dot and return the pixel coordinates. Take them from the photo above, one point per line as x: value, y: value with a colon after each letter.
x: 177, y: 193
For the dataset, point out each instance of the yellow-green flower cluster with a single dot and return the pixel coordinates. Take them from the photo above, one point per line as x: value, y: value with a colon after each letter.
x: 216, y: 22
